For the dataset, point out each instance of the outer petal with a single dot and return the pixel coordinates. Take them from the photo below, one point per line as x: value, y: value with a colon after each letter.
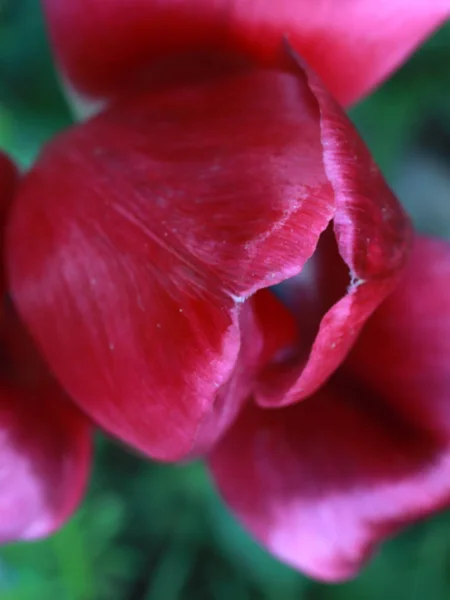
x: 44, y: 440
x: 352, y: 44
x: 321, y: 482
x: 44, y: 460
x: 372, y: 238
x: 408, y: 337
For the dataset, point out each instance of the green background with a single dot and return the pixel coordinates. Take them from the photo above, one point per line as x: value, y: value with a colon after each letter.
x: 152, y: 532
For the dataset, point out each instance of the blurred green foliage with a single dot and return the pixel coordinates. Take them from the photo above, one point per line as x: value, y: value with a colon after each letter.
x: 152, y: 532
x: 394, y: 116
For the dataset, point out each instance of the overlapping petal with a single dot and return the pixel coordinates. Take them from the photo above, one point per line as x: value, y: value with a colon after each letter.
x: 44, y: 439
x: 321, y: 482
x: 353, y: 44
x: 152, y: 225
x: 44, y: 459
x: 355, y: 267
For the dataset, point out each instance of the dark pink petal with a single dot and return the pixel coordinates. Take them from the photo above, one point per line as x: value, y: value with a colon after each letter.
x: 154, y: 223
x: 409, y: 340
x: 353, y: 44
x: 351, y: 272
x: 320, y: 483
x: 44, y: 460
x: 44, y: 440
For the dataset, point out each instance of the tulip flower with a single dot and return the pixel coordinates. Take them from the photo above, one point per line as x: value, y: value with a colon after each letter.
x: 143, y: 247
x: 45, y: 441
x: 155, y: 224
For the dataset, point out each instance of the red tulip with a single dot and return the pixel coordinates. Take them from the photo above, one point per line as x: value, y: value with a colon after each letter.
x: 45, y: 441
x: 104, y: 46
x: 141, y: 246
x: 155, y: 224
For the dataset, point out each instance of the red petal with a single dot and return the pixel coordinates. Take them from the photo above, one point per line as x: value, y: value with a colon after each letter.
x: 372, y: 237
x: 44, y: 460
x: 45, y: 446
x: 44, y: 440
x: 151, y: 225
x: 352, y: 44
x: 45, y: 449
x: 322, y: 482
x: 408, y: 336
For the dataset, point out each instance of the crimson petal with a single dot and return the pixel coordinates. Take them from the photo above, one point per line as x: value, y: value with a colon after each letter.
x: 372, y: 237
x: 322, y: 482
x: 352, y: 44
x: 44, y: 461
x: 44, y: 440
